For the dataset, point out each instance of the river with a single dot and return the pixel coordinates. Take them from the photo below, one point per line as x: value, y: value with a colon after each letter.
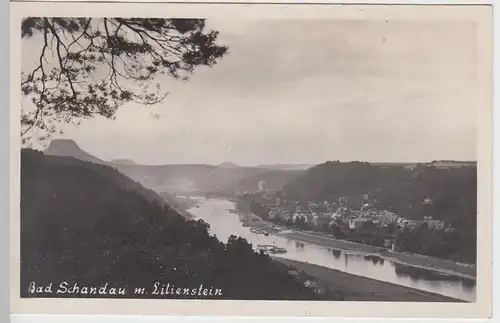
x: 224, y: 223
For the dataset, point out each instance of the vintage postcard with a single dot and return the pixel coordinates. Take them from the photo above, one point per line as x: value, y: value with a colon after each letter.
x: 254, y: 160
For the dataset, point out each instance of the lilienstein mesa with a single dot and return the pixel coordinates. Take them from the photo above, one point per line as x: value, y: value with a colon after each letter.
x: 158, y: 289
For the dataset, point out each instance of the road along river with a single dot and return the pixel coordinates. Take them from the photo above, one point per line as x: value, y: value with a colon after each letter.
x: 223, y: 223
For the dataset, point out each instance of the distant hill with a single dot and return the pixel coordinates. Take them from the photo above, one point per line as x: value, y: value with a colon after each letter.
x: 452, y: 163
x: 63, y: 152
x: 110, y: 173
x: 435, y: 163
x: 87, y: 223
x: 122, y: 162
x: 286, y: 166
x: 381, y: 164
x: 165, y: 178
x: 189, y: 178
x: 331, y: 180
x: 69, y: 148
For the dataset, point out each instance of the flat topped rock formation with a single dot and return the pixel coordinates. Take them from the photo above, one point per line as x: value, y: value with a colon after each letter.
x: 226, y: 176
x: 228, y: 165
x: 122, y: 161
x: 69, y: 148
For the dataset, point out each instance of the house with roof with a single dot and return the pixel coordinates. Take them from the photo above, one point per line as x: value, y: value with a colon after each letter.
x: 319, y: 220
x: 356, y: 223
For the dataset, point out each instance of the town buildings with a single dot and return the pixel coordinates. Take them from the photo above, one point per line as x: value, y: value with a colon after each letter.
x: 319, y: 214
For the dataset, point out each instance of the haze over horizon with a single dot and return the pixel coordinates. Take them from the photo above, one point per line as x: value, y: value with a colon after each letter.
x: 305, y: 92
x: 125, y: 158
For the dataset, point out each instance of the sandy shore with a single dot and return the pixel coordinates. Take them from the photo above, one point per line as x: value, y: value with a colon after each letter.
x: 439, y: 265
x: 358, y: 288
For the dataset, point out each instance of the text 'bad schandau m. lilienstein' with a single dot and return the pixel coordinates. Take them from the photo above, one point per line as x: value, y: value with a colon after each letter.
x: 105, y: 290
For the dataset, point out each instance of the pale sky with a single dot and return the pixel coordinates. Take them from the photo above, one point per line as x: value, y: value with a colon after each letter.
x: 307, y: 92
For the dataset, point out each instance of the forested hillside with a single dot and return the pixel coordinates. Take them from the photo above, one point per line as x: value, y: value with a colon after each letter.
x: 82, y: 222
x: 445, y: 193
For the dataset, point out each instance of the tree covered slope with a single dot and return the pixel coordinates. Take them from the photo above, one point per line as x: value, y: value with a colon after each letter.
x: 85, y: 223
x: 451, y: 192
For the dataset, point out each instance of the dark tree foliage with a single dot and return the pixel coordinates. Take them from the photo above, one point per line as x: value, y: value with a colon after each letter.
x: 80, y: 223
x: 92, y: 66
x: 455, y: 245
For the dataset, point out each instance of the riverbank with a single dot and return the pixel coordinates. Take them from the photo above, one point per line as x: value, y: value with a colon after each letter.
x: 182, y: 204
x: 225, y: 221
x: 358, y: 288
x: 445, y: 267
x: 418, y: 261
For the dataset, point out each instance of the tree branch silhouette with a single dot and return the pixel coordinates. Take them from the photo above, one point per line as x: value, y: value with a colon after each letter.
x: 90, y: 67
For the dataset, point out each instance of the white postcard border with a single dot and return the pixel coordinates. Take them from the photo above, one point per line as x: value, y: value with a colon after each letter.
x: 482, y: 308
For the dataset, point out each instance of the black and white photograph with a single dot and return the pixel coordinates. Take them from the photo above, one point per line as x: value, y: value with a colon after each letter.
x: 328, y: 159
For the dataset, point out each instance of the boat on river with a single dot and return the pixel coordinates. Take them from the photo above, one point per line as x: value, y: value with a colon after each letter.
x: 259, y: 231
x: 271, y: 249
